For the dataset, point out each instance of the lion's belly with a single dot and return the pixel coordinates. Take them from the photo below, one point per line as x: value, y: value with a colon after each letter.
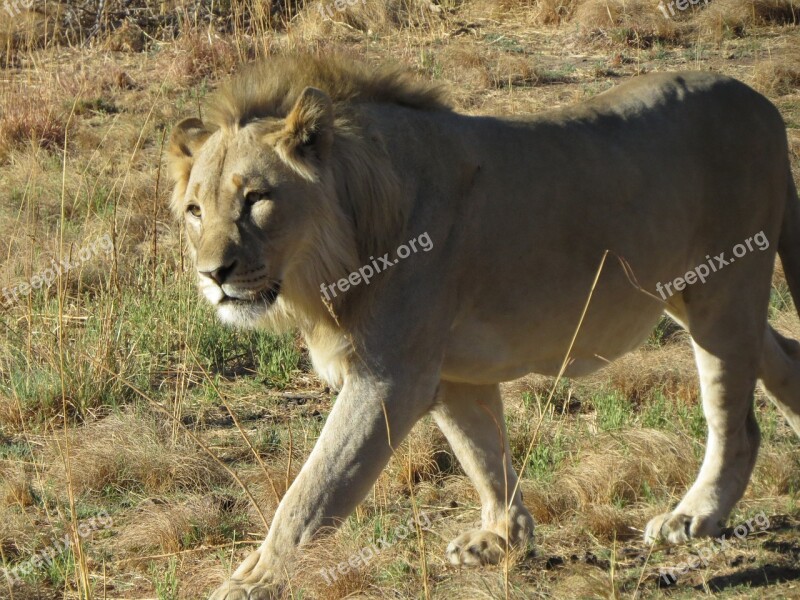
x: 481, y: 352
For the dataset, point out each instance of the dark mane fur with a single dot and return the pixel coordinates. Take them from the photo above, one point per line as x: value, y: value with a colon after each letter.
x: 269, y: 88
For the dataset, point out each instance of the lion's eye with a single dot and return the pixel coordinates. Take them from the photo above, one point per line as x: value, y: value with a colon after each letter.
x: 194, y: 210
x: 255, y: 196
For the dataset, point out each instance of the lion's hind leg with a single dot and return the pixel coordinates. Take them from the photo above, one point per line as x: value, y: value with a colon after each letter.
x: 780, y: 374
x: 471, y: 417
x: 727, y: 346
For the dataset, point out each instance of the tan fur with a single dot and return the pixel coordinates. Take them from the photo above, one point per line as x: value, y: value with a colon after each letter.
x: 306, y: 168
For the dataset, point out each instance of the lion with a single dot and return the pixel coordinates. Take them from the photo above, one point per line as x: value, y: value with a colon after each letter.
x: 306, y: 169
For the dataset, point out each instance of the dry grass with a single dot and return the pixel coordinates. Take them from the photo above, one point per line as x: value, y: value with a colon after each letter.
x: 12, y: 418
x: 670, y: 370
x: 132, y: 452
x: 268, y: 488
x: 31, y: 115
x: 764, y: 12
x: 383, y: 17
x: 641, y: 22
x: 198, y: 54
x: 17, y: 533
x: 353, y: 583
x: 613, y: 470
x: 635, y: 22
x: 778, y: 79
x: 775, y: 475
x: 423, y: 457
x: 27, y: 31
x: 16, y: 489
x: 554, y: 12
x: 162, y: 527
x: 735, y: 17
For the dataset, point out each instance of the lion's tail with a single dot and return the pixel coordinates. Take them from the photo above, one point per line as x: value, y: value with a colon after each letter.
x: 789, y: 242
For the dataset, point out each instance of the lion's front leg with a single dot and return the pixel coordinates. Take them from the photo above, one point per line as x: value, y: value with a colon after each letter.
x: 368, y: 419
x: 471, y: 417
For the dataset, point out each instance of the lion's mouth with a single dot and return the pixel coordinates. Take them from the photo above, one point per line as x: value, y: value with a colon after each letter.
x: 271, y: 294
x: 266, y: 296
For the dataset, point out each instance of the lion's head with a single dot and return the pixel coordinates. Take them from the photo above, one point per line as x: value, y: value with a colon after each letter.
x: 281, y: 190
x: 258, y: 204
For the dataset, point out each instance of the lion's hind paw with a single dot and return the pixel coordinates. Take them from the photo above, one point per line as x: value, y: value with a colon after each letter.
x: 677, y: 528
x: 475, y: 548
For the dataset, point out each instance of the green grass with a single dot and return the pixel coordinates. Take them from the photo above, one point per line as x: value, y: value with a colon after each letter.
x: 268, y: 441
x: 547, y: 456
x: 277, y: 358
x: 15, y: 451
x: 658, y: 337
x: 780, y: 300
x: 678, y: 417
x: 614, y: 411
x: 165, y: 581
x: 139, y: 338
x: 54, y: 571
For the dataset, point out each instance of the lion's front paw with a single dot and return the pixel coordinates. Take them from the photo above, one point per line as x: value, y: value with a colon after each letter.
x: 253, y: 580
x: 677, y: 528
x: 475, y: 548
x: 238, y: 590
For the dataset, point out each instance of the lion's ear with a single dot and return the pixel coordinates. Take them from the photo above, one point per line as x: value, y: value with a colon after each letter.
x: 307, y: 138
x: 187, y: 138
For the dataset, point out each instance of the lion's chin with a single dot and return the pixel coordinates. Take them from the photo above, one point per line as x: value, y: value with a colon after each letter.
x: 241, y: 314
x: 251, y: 311
x: 274, y: 316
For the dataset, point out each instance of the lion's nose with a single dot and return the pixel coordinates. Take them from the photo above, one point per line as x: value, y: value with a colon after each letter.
x: 220, y: 274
